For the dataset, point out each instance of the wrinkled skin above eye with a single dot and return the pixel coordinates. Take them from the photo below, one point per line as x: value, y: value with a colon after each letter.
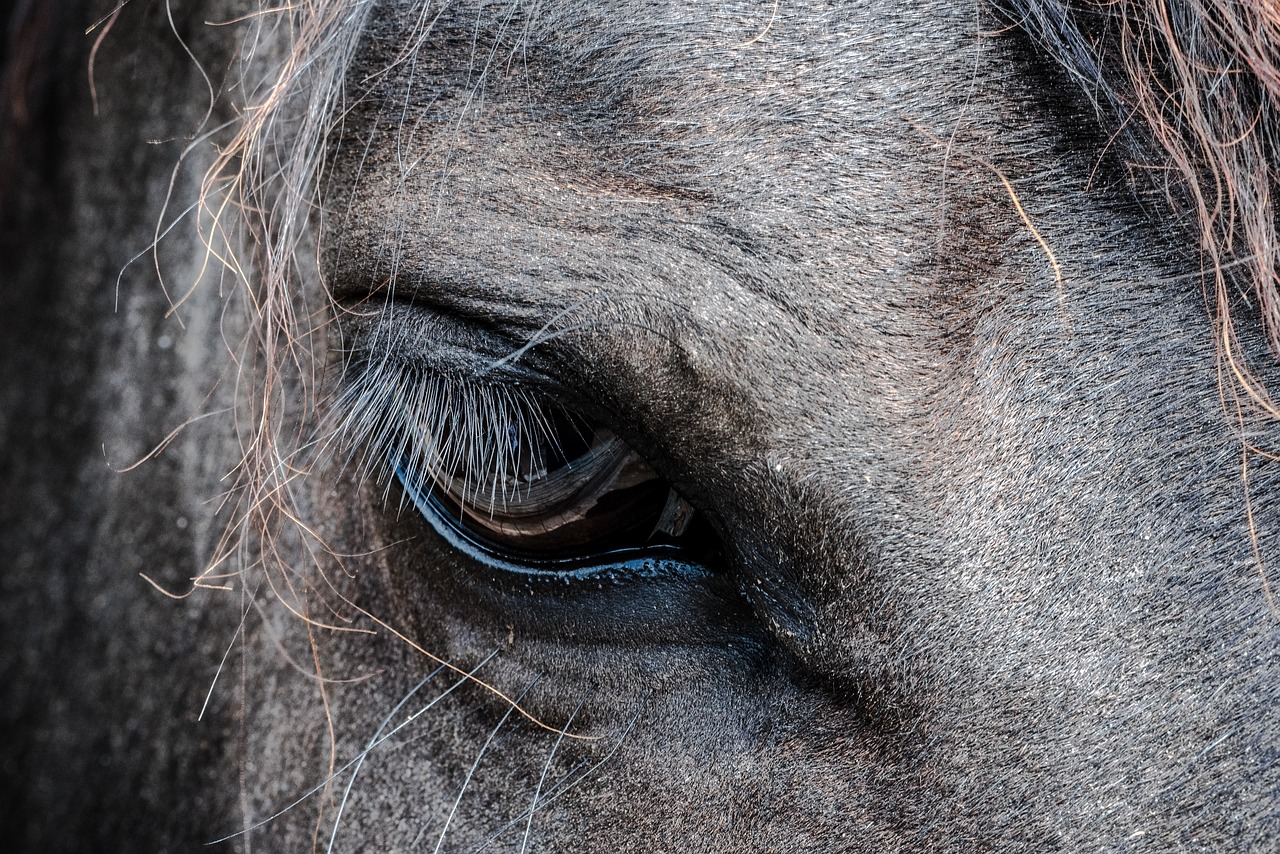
x: 987, y: 575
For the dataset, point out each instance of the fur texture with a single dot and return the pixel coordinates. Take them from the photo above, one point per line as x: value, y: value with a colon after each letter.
x: 976, y: 404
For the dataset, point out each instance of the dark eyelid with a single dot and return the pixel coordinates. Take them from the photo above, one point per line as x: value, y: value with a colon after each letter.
x: 447, y: 341
x: 425, y: 340
x: 503, y: 303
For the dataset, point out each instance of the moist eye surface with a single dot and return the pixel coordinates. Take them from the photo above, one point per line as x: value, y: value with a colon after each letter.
x: 519, y: 481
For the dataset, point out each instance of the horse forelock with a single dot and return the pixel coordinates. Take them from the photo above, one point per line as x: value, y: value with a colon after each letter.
x: 258, y: 200
x: 1190, y: 90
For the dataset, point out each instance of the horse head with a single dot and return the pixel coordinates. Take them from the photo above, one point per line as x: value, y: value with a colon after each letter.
x: 643, y: 426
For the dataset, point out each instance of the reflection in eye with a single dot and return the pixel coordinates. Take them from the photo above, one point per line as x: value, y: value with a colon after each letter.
x: 519, y: 481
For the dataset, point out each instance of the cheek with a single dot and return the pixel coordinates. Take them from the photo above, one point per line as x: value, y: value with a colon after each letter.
x: 456, y: 760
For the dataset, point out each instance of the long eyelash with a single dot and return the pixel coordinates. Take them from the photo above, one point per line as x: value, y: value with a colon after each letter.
x: 434, y: 427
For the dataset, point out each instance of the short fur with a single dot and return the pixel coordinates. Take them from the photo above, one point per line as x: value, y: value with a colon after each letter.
x: 955, y: 321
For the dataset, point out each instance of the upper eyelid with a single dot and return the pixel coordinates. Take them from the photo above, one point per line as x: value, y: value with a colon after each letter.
x: 458, y: 343
x: 510, y: 316
x: 426, y: 339
x: 412, y: 337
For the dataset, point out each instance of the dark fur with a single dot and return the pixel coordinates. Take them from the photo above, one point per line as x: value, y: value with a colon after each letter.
x: 998, y: 579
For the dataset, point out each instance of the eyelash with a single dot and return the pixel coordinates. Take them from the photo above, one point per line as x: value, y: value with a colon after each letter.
x: 421, y: 423
x: 431, y: 424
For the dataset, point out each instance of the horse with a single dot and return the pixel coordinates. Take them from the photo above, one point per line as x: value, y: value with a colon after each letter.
x: 614, y: 426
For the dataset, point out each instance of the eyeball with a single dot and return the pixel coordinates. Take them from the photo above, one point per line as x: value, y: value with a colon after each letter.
x: 520, y: 481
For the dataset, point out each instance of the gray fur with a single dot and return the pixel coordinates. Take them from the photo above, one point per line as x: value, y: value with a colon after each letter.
x: 991, y: 585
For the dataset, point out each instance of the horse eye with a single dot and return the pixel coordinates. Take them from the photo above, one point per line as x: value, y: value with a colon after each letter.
x: 519, y: 481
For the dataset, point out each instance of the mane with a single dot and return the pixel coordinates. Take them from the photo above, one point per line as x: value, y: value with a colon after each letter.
x: 1190, y: 89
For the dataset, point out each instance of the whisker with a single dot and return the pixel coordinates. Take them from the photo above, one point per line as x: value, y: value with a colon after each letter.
x: 346, y: 792
x: 232, y: 645
x: 464, y: 679
x: 546, y: 768
x: 563, y: 785
x: 471, y: 772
